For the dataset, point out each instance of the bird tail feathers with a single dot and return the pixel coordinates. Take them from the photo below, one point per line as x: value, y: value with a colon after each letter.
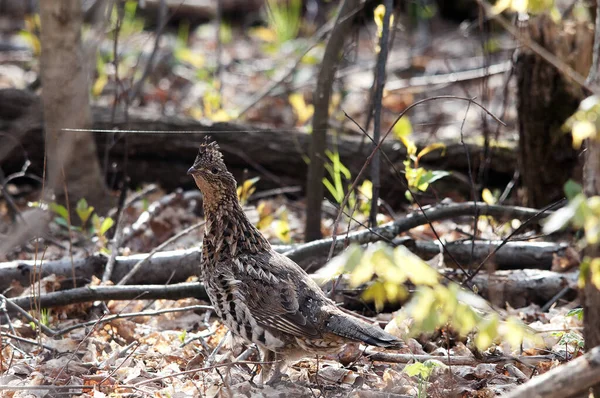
x: 355, y: 329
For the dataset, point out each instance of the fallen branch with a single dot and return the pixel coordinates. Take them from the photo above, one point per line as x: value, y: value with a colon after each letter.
x: 177, y: 266
x: 513, y: 255
x: 105, y: 293
x: 454, y: 360
x: 518, y: 288
x: 318, y: 249
x: 570, y: 380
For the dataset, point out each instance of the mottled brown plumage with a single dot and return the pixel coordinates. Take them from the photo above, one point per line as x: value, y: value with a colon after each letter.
x: 259, y: 294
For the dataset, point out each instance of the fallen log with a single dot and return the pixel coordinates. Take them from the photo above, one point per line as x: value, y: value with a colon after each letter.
x: 517, y: 288
x: 176, y: 266
x: 573, y: 379
x: 164, y: 156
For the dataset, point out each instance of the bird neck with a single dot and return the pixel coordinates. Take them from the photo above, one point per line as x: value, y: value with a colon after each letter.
x: 228, y: 232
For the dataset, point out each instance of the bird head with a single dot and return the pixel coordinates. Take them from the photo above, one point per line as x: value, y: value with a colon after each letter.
x: 210, y: 173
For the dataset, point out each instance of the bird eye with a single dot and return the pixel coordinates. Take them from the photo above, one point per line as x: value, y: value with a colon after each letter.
x: 214, y: 170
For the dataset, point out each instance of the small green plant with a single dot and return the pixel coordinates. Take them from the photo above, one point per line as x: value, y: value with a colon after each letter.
x: 284, y: 18
x: 576, y: 312
x: 130, y: 23
x: 44, y: 319
x: 338, y: 173
x: 97, y: 227
x: 417, y: 178
x: 571, y: 340
x: 182, y: 336
x: 423, y: 371
x: 337, y: 184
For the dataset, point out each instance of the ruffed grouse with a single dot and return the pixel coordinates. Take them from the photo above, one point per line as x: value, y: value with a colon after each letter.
x: 261, y: 295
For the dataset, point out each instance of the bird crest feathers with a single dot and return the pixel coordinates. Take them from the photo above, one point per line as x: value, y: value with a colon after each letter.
x: 209, y: 152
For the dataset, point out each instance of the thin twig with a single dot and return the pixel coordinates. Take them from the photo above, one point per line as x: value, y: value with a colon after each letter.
x: 11, y: 305
x: 161, y: 23
x: 537, y: 216
x: 370, y: 157
x: 118, y: 237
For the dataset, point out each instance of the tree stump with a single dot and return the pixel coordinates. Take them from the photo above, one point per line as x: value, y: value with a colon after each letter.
x: 545, y: 100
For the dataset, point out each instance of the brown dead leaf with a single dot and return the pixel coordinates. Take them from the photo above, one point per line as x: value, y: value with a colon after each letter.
x: 568, y: 261
x: 125, y: 329
x: 397, y: 102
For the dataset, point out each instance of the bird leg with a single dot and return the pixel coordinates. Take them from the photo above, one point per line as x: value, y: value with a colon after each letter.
x: 271, y: 368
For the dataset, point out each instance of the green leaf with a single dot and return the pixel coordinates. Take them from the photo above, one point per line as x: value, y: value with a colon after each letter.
x: 572, y: 189
x: 83, y: 210
x: 61, y: 221
x: 488, y: 331
x: 60, y: 210
x: 417, y: 270
x: 347, y: 261
x: 417, y: 369
x: 107, y: 223
x: 576, y: 312
x: 430, y: 177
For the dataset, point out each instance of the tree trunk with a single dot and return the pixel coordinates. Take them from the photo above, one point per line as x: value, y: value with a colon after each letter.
x: 316, y: 169
x: 71, y: 157
x: 545, y: 100
x: 590, y: 294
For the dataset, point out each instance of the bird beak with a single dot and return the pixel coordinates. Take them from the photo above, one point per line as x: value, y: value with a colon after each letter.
x: 191, y: 171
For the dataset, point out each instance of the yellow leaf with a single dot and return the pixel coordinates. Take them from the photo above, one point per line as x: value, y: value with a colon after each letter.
x: 188, y: 56
x: 417, y: 270
x: 403, y: 128
x: 282, y: 230
x: 582, y: 130
x: 220, y: 116
x: 378, y: 15
x: 264, y: 34
x: 362, y: 273
x: 488, y: 331
x: 431, y: 148
x: 303, y: 111
x: 595, y: 272
x: 514, y: 331
x: 488, y: 197
x: 366, y: 189
x: 99, y: 85
x: 376, y: 293
x: 422, y: 304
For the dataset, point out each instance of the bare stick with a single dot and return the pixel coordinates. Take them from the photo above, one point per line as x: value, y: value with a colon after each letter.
x: 104, y: 293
